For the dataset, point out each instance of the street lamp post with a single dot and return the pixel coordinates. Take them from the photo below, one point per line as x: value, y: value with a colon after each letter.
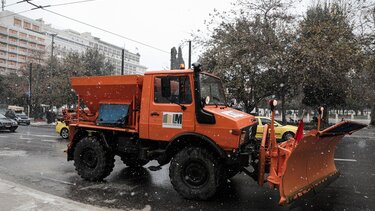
x: 283, y: 117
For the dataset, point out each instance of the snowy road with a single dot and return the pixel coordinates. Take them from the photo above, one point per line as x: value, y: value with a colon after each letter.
x: 34, y: 157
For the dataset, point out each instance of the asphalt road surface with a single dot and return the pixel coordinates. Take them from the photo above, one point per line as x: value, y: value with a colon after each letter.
x: 34, y: 157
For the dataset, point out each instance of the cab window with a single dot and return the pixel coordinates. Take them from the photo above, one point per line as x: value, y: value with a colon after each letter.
x: 172, y: 89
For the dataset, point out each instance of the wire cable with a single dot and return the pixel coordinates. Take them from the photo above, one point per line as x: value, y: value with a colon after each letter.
x: 68, y: 3
x: 107, y: 31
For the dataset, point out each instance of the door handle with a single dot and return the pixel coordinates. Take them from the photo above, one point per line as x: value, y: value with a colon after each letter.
x: 154, y: 113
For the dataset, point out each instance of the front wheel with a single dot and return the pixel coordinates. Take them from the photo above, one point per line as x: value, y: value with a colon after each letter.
x: 64, y: 133
x: 195, y: 173
x: 92, y: 160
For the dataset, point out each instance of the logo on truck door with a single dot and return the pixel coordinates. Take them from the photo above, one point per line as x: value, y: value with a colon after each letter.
x: 172, y: 120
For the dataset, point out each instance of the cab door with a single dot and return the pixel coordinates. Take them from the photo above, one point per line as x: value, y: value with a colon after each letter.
x: 172, y: 110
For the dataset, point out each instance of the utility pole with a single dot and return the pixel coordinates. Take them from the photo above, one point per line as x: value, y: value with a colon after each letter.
x: 29, y: 104
x: 122, y: 61
x: 51, y: 69
x: 52, y: 48
x: 2, y: 4
x: 189, y: 63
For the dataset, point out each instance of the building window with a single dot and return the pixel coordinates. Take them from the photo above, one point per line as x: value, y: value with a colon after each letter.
x: 35, y: 28
x: 26, y: 25
x: 17, y: 22
x: 23, y: 35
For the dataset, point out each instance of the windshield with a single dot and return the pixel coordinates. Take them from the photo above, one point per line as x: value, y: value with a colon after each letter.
x: 212, y: 88
x: 2, y: 116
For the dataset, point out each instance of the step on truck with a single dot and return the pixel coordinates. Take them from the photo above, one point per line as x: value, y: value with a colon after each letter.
x: 181, y: 117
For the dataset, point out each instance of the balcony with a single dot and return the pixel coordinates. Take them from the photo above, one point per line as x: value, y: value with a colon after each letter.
x: 3, y: 65
x: 14, y: 42
x: 12, y: 58
x: 13, y: 35
x: 23, y: 44
x: 12, y: 50
x: 4, y: 32
x: 22, y: 37
x: 4, y: 48
x: 3, y: 39
x: 32, y: 41
x: 3, y: 56
x: 21, y: 59
x: 22, y: 52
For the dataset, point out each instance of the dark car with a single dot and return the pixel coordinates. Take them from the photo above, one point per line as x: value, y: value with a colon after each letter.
x: 20, y: 117
x: 7, y: 124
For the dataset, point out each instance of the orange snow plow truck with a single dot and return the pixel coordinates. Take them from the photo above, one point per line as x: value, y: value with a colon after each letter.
x: 181, y: 117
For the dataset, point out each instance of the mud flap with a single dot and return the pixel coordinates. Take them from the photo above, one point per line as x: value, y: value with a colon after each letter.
x: 310, y: 164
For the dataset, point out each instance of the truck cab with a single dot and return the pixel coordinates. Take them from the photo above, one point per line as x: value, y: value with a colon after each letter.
x: 177, y: 103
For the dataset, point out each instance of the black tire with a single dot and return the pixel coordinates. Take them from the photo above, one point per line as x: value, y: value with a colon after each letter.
x: 92, y: 160
x: 195, y: 173
x: 288, y: 135
x: 133, y: 162
x: 13, y: 129
x: 64, y: 133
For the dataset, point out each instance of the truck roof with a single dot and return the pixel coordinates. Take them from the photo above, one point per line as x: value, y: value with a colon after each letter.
x: 168, y: 72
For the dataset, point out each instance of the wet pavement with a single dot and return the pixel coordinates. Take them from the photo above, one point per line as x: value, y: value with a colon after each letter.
x: 34, y: 157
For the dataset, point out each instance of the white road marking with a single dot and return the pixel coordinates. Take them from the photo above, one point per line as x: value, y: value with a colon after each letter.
x: 347, y: 160
x: 41, y: 135
x: 52, y: 141
x: 44, y: 136
x: 60, y: 181
x: 24, y: 138
x: 12, y: 153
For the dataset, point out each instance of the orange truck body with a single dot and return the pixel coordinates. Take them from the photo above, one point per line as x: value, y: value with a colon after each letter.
x: 180, y: 116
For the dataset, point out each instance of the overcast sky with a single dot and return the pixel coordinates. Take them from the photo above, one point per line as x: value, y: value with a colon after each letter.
x: 162, y: 24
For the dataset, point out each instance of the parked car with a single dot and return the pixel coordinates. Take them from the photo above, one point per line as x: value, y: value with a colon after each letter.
x: 282, y: 132
x: 7, y: 124
x: 20, y: 117
x: 62, y: 129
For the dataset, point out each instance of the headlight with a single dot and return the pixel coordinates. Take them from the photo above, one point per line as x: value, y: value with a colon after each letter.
x: 14, y: 122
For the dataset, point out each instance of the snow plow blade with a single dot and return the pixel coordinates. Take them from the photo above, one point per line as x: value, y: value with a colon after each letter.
x: 307, y: 166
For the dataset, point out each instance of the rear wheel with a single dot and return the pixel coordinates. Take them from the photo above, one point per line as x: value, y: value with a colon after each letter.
x: 195, y: 173
x: 64, y: 133
x: 92, y: 161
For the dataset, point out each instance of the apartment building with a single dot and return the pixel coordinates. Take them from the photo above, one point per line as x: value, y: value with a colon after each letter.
x: 23, y: 40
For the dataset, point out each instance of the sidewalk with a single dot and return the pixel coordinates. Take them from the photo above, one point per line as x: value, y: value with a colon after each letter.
x: 17, y: 197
